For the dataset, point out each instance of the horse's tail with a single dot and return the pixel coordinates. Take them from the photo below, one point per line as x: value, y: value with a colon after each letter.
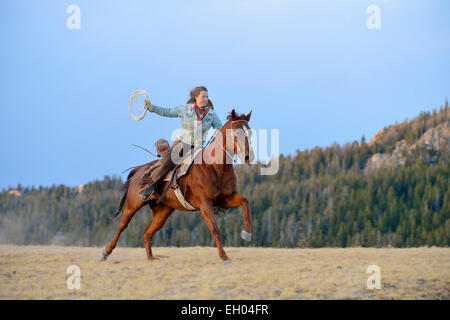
x: 124, y: 189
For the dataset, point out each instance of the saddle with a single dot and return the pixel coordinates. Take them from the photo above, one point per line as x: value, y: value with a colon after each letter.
x: 174, y: 174
x: 180, y: 170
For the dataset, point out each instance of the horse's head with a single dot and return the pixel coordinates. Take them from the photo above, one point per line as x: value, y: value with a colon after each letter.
x: 240, y: 132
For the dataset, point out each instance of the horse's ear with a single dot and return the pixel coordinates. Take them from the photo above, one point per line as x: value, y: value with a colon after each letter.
x: 247, y: 117
x: 233, y: 115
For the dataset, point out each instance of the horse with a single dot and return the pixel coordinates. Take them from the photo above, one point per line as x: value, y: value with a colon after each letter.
x: 208, y: 184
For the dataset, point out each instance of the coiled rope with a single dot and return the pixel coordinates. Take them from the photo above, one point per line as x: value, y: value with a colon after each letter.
x: 130, y: 104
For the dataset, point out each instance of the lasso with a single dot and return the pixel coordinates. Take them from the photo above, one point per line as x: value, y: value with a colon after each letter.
x: 130, y: 104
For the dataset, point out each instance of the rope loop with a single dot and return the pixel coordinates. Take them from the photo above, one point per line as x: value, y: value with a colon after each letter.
x: 130, y: 104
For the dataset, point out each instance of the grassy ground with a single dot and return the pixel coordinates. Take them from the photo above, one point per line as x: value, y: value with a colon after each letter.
x: 39, y: 272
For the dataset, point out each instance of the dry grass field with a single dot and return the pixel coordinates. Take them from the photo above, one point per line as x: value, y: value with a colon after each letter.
x: 39, y: 272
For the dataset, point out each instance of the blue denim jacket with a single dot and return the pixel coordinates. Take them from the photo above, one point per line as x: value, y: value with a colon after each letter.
x: 192, y: 132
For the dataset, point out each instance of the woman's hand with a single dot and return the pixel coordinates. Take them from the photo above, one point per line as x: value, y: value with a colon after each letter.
x: 148, y: 105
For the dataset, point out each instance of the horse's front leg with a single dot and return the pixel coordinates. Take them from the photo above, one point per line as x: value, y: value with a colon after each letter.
x: 236, y: 200
x: 208, y: 214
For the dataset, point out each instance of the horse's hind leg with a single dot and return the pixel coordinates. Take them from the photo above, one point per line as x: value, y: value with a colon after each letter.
x: 127, y: 214
x: 160, y: 215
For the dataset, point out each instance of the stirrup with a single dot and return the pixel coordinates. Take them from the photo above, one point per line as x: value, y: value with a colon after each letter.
x: 153, y: 196
x: 147, y: 193
x: 150, y: 192
x: 143, y: 196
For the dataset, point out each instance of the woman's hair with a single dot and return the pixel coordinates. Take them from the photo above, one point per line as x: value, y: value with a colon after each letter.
x: 195, y: 93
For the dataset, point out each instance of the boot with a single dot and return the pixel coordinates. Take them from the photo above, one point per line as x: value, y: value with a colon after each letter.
x: 164, y: 166
x: 148, y: 191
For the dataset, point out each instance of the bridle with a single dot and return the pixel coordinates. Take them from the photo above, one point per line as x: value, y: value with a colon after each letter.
x: 232, y: 135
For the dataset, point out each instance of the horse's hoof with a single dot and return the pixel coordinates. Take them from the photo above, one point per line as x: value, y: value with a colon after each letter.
x: 228, y: 261
x: 152, y: 258
x: 104, y: 256
x: 246, y: 236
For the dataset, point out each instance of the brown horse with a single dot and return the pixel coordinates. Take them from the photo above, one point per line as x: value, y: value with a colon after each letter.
x: 211, y: 183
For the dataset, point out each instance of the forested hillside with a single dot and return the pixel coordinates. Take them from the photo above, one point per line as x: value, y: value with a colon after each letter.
x: 324, y: 197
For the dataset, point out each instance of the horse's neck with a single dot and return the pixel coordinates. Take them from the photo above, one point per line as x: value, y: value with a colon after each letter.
x: 220, y: 174
x: 222, y: 160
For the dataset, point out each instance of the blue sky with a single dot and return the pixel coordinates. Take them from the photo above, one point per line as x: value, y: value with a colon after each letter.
x: 311, y: 69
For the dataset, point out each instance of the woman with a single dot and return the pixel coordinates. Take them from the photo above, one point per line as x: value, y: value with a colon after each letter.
x: 197, y: 117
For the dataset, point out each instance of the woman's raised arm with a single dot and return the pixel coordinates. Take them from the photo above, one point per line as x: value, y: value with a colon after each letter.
x: 166, y: 112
